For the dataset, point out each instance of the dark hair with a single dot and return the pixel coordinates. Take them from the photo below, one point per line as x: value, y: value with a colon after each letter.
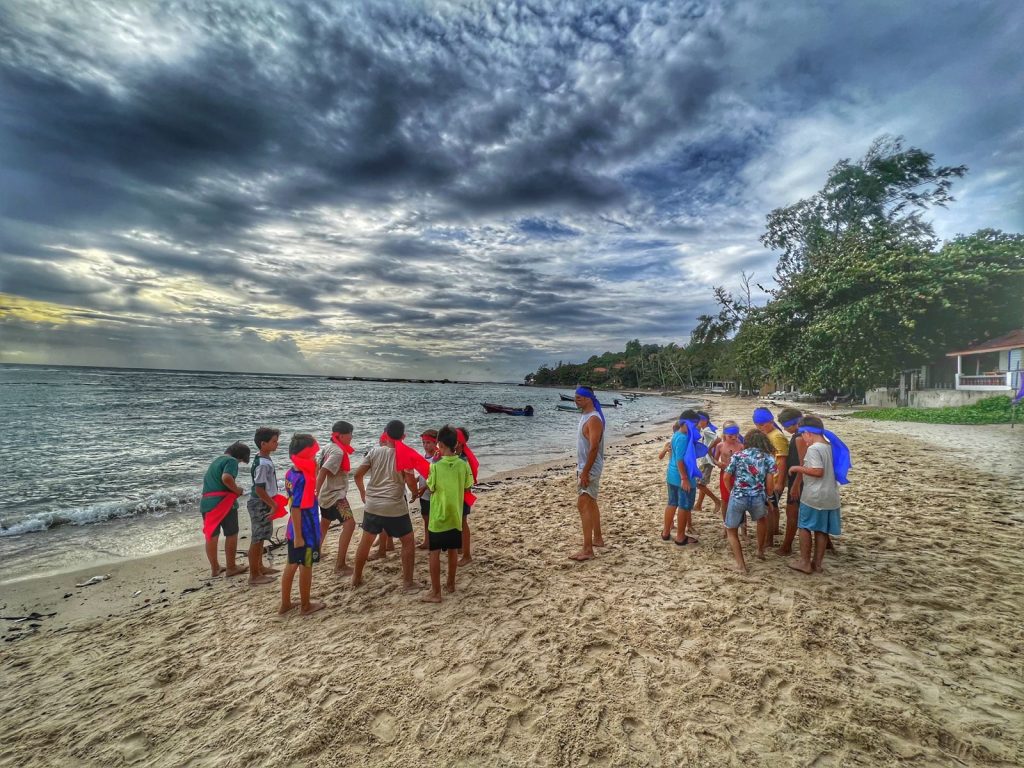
x: 464, y: 431
x: 299, y: 442
x: 811, y: 421
x: 239, y: 451
x: 395, y: 429
x: 703, y: 416
x: 429, y: 433
x: 788, y: 414
x: 755, y: 438
x: 688, y: 415
x: 447, y: 437
x: 675, y: 426
x: 265, y: 435
x: 341, y: 428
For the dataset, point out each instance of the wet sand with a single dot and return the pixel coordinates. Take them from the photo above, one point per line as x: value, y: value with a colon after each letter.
x: 907, y: 650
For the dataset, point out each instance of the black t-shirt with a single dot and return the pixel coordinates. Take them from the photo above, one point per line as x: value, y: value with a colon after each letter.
x: 792, y: 460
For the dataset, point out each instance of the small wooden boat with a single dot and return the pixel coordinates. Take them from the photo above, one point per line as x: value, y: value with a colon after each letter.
x: 567, y: 407
x: 566, y: 398
x: 614, y: 404
x: 495, y: 408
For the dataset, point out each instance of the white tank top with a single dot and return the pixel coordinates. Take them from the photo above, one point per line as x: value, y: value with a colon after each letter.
x: 583, y: 447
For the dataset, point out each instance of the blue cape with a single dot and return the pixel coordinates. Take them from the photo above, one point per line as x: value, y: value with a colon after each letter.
x: 841, y: 463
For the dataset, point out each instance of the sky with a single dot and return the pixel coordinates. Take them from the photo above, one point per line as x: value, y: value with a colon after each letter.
x: 451, y: 189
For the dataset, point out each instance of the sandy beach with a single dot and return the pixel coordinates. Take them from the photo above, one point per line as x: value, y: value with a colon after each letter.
x: 906, y: 651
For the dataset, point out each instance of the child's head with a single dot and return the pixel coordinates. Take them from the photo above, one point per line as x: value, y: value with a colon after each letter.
x: 395, y: 429
x: 447, y: 438
x: 730, y: 430
x: 703, y: 419
x: 299, y: 442
x: 810, y: 421
x: 675, y: 427
x: 755, y: 438
x: 462, y: 436
x: 341, y: 428
x: 688, y: 415
x: 788, y: 418
x: 429, y: 438
x: 239, y: 451
x: 266, y: 439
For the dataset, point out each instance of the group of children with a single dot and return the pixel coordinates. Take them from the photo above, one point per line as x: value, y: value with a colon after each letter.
x: 315, y: 494
x: 756, y: 468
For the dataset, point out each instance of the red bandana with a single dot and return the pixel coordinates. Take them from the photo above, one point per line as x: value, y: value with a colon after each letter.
x: 474, y: 465
x: 346, y: 451
x: 305, y: 462
x: 406, y: 457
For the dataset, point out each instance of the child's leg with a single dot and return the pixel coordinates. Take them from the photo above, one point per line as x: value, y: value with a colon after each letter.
x: 256, y: 564
x: 382, y: 548
x: 453, y: 563
x: 701, y: 491
x: 362, y: 555
x: 347, y: 529
x: 467, y: 555
x: 286, y: 588
x: 804, y: 562
x: 820, y: 544
x: 737, y: 548
x: 408, y: 559
x: 684, y: 516
x: 791, y: 518
x: 389, y: 542
x: 426, y: 532
x: 230, y: 548
x: 666, y: 531
x: 762, y: 537
x: 305, y: 585
x: 211, y: 555
x: 325, y: 524
x: 435, y: 576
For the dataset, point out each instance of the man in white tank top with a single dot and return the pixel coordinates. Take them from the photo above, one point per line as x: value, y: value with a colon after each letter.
x: 589, y: 465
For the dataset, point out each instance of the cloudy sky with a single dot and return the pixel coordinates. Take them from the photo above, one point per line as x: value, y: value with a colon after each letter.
x: 462, y: 189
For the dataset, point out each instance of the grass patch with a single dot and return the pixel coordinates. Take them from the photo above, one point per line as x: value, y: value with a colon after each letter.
x: 991, y: 410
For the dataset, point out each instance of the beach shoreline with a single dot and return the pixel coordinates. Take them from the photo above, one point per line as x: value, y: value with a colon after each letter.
x: 906, y: 649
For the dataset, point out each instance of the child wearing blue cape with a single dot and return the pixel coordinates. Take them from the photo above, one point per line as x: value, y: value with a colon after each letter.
x: 825, y: 466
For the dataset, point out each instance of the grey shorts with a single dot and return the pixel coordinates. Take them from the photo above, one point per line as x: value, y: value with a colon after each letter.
x: 590, y: 490
x: 259, y: 519
x: 740, y: 506
x: 705, y: 474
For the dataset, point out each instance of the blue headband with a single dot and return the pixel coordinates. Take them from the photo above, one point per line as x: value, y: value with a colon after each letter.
x: 791, y: 422
x: 733, y: 430
x: 762, y: 416
x: 592, y: 397
x: 840, y: 452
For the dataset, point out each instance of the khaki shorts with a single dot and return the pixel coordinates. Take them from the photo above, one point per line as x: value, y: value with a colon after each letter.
x: 706, y: 471
x: 590, y: 490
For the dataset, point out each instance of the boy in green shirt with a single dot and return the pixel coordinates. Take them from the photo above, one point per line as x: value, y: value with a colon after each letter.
x: 450, y: 477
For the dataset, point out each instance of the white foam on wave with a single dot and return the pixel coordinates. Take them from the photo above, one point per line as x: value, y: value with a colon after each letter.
x: 157, y: 504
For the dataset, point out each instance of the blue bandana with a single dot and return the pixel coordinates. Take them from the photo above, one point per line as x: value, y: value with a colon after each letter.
x: 695, y: 449
x: 733, y: 430
x: 840, y: 453
x: 592, y: 397
x: 791, y: 422
x: 707, y: 418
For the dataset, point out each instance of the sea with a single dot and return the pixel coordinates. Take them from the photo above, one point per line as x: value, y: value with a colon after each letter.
x: 105, y: 464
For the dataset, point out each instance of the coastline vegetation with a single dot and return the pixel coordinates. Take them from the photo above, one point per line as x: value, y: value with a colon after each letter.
x: 991, y: 410
x: 863, y: 289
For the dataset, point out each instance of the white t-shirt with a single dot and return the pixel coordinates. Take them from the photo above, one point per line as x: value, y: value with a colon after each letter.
x: 820, y: 492
x: 385, y: 487
x: 335, y: 486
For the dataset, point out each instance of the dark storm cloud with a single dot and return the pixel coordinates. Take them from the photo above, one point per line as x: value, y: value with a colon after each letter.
x: 523, y: 173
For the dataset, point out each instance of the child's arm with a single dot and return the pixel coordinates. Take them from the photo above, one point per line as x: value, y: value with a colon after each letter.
x: 229, y: 481
x: 664, y: 450
x: 261, y: 491
x: 432, y: 479
x: 410, y: 482
x: 809, y: 471
x: 358, y: 477
x: 296, y: 516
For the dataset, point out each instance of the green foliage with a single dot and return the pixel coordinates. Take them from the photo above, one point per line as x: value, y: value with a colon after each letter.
x: 991, y: 410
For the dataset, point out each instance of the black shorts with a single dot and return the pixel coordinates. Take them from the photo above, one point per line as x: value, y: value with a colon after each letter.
x: 229, y: 525
x: 445, y: 540
x: 302, y: 555
x: 339, y: 512
x: 466, y: 509
x: 395, y: 527
x: 425, y: 507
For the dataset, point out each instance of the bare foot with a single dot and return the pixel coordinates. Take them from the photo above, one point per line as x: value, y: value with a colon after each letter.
x: 260, y: 580
x: 599, y: 543
x: 760, y: 555
x: 464, y: 561
x: 344, y: 570
x: 784, y: 551
x: 218, y: 572
x: 424, y: 545
x: 431, y: 597
x: 580, y: 556
x: 739, y: 568
x: 236, y: 571
x: 313, y: 607
x: 377, y: 556
x: 449, y: 588
x: 356, y: 582
x: 268, y: 571
x: 796, y: 565
x: 410, y: 588
x: 718, y: 507
x: 285, y: 608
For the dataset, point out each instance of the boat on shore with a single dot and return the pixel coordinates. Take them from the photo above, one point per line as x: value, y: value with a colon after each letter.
x: 567, y: 407
x: 570, y: 399
x: 508, y: 410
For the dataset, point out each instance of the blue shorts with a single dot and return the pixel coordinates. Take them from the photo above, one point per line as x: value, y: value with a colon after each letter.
x: 677, y: 497
x: 740, y: 506
x: 819, y: 520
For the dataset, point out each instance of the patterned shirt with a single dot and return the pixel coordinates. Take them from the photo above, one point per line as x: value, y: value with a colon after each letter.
x: 750, y: 468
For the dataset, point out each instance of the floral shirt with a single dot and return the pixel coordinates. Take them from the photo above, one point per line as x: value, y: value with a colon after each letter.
x: 750, y: 468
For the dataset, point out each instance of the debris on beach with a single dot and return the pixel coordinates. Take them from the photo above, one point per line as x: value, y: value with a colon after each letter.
x: 31, y: 617
x: 94, y: 580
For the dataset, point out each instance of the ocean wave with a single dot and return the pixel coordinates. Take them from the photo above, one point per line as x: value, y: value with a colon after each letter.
x: 157, y: 504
